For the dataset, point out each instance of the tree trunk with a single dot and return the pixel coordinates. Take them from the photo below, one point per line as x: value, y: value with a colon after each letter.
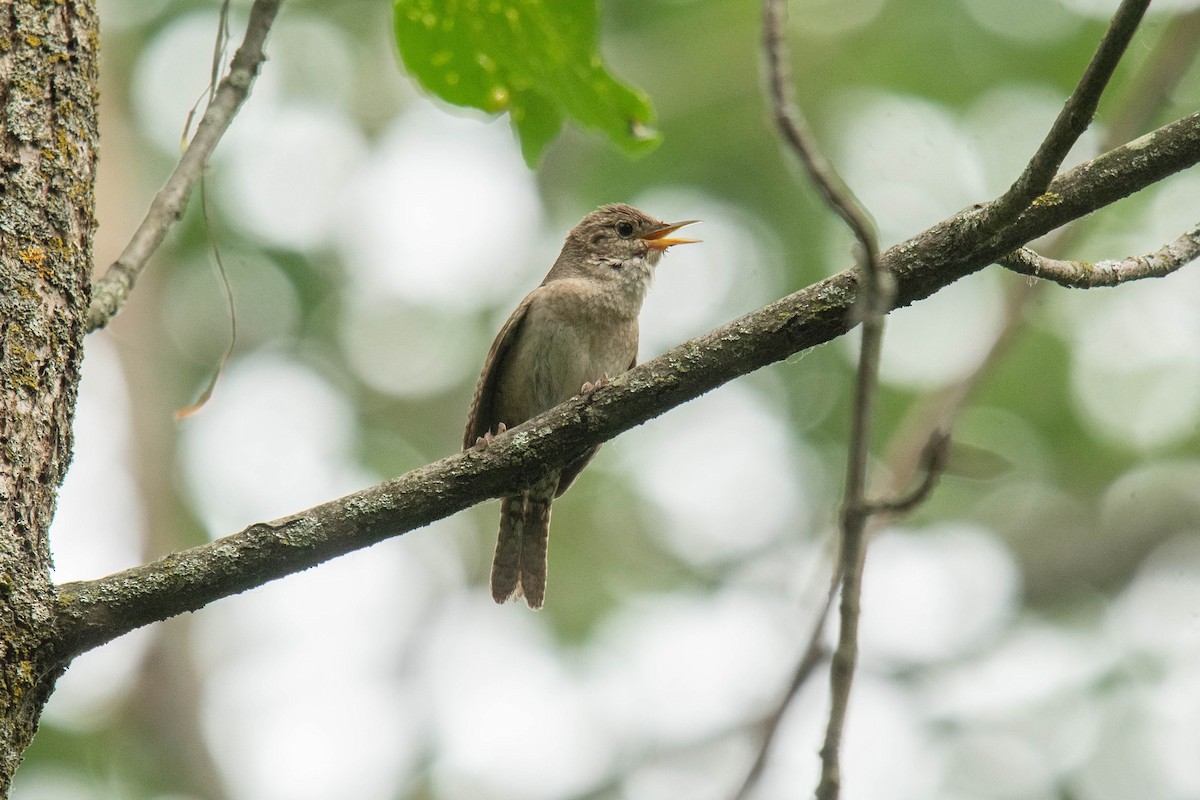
x: 48, y: 138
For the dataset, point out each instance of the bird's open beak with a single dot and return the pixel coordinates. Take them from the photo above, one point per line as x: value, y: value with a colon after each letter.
x: 659, y: 240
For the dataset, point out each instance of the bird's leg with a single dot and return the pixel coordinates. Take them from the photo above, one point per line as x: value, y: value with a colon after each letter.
x: 485, y: 441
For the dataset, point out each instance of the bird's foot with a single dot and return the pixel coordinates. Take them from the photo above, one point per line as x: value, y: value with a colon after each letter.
x: 600, y: 383
x: 486, y: 440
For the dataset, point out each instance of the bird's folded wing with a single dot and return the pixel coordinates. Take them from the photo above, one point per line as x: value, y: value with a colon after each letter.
x: 483, y: 416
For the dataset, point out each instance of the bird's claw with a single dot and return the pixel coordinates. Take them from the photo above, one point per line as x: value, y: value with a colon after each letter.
x: 486, y: 440
x: 600, y: 383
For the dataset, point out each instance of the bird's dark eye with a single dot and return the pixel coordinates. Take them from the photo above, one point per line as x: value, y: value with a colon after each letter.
x: 625, y: 229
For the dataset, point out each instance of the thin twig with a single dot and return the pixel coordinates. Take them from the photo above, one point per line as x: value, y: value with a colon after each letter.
x: 814, y: 652
x: 1173, y: 55
x: 874, y: 302
x: 223, y: 275
x: 795, y: 131
x: 1147, y: 93
x: 1072, y: 121
x: 1083, y: 275
x: 933, y: 462
x: 111, y: 292
x: 855, y: 513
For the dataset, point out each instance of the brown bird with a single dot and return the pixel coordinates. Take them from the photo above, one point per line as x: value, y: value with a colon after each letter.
x: 570, y: 334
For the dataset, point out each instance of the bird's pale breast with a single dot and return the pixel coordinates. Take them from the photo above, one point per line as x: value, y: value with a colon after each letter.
x: 571, y: 336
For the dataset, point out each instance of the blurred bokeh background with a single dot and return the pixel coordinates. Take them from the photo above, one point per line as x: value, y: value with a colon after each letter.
x: 1032, y: 632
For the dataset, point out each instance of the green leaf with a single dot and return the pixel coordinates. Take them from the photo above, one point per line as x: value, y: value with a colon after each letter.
x: 536, y: 59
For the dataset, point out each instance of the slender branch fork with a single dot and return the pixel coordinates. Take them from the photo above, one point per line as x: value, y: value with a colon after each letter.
x: 111, y: 291
x: 1075, y: 117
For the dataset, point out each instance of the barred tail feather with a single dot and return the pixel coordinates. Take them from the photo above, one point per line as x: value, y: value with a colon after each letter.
x: 532, y: 565
x: 519, y: 566
x: 506, y: 578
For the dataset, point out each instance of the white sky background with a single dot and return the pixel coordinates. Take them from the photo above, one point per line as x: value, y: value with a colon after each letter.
x: 339, y: 681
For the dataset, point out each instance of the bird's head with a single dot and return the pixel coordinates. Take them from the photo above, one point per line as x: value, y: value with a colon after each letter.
x: 616, y: 244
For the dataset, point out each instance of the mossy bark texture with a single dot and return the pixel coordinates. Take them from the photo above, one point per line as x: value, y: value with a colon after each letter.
x: 48, y: 138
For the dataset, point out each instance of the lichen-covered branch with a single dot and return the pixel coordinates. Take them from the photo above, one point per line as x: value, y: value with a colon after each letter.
x: 1085, y: 275
x: 92, y: 612
x: 112, y: 291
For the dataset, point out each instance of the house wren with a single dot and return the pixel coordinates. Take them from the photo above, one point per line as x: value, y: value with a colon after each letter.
x: 575, y: 330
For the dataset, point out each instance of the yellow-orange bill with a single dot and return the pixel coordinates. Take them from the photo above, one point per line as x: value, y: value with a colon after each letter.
x: 659, y: 240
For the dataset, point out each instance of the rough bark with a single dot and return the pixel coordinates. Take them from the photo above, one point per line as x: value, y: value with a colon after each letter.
x: 48, y: 138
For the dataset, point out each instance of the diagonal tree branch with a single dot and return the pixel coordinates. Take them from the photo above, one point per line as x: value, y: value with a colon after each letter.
x: 111, y: 292
x: 90, y: 613
x: 1083, y: 275
x: 1073, y: 120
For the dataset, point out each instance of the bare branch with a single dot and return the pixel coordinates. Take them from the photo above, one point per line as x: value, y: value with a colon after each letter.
x: 92, y: 612
x: 1072, y: 121
x: 1157, y: 80
x: 1083, y: 275
x: 855, y: 512
x: 111, y: 292
x: 794, y: 129
x: 814, y: 652
x: 875, y: 302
